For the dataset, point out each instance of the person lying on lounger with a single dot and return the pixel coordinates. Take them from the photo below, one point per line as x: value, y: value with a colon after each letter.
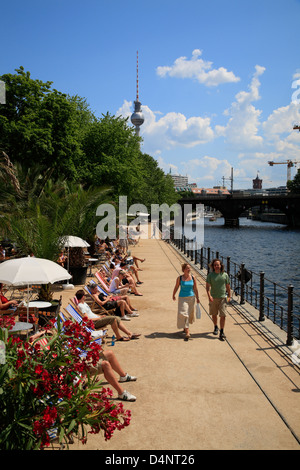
x: 109, y: 302
x: 107, y: 365
x: 101, y: 321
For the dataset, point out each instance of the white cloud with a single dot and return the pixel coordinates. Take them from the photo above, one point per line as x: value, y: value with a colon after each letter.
x: 282, y: 121
x: 198, y: 69
x: 207, y: 170
x: 163, y: 132
x: 244, y: 142
x: 241, y: 130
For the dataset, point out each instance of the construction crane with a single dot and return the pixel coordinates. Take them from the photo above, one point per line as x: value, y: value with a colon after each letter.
x: 289, y: 164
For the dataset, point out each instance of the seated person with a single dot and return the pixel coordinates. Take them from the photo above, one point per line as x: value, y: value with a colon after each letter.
x: 135, y: 260
x: 62, y: 259
x: 116, y: 286
x: 100, y: 321
x: 126, y: 279
x: 107, y: 364
x: 108, y: 302
x: 6, y: 304
x: 128, y: 268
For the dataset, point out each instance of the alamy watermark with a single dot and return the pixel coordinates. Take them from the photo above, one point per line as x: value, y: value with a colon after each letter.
x: 2, y: 353
x: 2, y: 93
x: 176, y: 215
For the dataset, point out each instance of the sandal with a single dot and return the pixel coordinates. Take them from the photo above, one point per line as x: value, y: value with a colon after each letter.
x: 135, y: 336
x: 123, y: 338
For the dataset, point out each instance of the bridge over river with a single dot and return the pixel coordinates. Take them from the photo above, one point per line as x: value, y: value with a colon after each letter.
x: 233, y: 205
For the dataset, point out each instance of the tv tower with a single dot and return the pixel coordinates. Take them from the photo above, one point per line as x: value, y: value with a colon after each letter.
x: 137, y: 117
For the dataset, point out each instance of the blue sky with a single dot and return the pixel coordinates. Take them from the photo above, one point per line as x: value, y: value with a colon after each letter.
x: 219, y: 82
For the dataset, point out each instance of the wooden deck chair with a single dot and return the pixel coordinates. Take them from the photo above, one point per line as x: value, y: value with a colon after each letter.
x: 104, y: 281
x: 73, y: 312
x: 95, y: 305
x: 104, y: 286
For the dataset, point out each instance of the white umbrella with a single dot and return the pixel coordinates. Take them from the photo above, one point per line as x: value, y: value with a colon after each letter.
x: 70, y: 241
x: 30, y: 270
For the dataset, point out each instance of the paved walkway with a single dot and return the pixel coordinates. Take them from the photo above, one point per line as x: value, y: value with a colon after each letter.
x: 203, y: 394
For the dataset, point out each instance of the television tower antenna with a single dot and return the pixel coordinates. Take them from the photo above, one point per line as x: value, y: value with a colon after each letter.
x: 137, y: 117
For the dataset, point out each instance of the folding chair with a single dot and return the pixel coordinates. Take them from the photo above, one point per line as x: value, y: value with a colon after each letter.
x: 103, y: 310
x: 103, y: 284
x: 97, y: 335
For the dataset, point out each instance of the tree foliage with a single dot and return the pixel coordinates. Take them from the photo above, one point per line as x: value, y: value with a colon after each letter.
x: 42, y: 126
x: 294, y: 185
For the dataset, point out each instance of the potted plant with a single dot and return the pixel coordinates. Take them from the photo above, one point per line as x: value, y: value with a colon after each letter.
x: 46, y: 295
x: 77, y: 265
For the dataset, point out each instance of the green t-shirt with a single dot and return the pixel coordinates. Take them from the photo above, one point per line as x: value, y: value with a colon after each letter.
x: 218, y: 282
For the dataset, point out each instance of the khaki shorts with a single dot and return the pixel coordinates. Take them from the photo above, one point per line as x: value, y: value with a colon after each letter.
x: 97, y: 369
x: 218, y: 306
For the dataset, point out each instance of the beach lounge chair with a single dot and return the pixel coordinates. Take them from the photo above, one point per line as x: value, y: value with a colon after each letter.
x: 95, y: 305
x: 72, y: 311
x: 102, y: 283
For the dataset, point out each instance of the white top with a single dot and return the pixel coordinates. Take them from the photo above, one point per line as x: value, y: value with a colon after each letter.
x: 113, y: 285
x: 85, y: 309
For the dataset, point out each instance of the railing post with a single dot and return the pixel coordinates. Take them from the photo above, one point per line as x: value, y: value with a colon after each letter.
x: 262, y: 297
x: 208, y: 258
x: 242, y: 301
x: 289, y: 341
x: 201, y: 258
x: 228, y: 266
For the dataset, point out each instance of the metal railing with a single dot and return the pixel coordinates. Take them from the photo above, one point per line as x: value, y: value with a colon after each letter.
x: 272, y: 300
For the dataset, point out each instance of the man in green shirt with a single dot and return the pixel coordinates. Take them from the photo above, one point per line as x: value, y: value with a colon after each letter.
x: 217, y: 286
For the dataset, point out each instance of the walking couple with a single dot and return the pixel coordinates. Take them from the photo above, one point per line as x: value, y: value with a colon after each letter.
x: 217, y: 287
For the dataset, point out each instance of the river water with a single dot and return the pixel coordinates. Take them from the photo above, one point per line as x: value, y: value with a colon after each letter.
x: 262, y: 246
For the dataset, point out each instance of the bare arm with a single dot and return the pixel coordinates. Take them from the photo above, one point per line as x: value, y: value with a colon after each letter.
x: 176, y: 288
x: 228, y: 292
x: 208, y: 286
x: 196, y: 290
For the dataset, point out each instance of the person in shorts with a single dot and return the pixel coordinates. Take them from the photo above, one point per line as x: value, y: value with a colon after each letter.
x: 218, y: 291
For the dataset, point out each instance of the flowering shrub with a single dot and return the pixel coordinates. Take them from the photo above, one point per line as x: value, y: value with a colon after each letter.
x: 47, y: 389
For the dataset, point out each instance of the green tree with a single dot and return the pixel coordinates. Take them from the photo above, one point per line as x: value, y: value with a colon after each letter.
x: 39, y: 125
x: 46, y: 210
x: 294, y: 185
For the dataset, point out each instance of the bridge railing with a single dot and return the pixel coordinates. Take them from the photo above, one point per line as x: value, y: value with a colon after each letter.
x: 272, y: 300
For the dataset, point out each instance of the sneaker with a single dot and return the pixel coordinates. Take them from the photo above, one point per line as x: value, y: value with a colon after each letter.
x: 125, y: 318
x: 133, y: 314
x: 127, y: 378
x: 216, y: 330
x: 126, y: 396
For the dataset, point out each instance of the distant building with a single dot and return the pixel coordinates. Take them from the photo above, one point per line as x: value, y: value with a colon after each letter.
x: 218, y: 190
x: 180, y: 181
x: 257, y: 183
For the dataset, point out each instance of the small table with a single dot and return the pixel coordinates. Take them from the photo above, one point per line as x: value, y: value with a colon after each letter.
x: 21, y: 326
x: 91, y: 261
x: 39, y: 304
